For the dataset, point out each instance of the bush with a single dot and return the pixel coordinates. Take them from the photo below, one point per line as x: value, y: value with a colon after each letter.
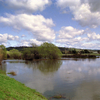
x: 74, y: 51
x: 4, y: 52
x: 1, y: 56
x: 49, y: 50
x: 14, y: 54
x: 31, y: 53
x: 86, y: 51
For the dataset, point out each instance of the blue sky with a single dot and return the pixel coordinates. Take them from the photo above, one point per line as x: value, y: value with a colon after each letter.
x: 66, y: 23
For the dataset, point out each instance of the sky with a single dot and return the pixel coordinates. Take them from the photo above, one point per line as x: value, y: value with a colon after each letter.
x: 65, y: 23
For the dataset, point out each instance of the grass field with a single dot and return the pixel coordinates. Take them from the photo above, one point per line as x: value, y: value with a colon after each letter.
x: 10, y: 89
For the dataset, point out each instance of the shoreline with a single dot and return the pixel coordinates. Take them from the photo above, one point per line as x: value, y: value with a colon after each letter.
x: 11, y: 89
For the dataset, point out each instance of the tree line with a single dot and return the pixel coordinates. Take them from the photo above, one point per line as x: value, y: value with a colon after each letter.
x: 44, y: 51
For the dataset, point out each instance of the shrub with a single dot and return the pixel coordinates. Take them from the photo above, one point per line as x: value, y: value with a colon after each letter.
x: 74, y: 51
x: 86, y: 51
x: 14, y: 53
x: 31, y: 53
x: 49, y: 50
x: 4, y: 52
x: 1, y: 56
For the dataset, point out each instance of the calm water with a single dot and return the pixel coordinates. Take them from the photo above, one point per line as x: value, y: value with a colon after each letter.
x: 77, y: 79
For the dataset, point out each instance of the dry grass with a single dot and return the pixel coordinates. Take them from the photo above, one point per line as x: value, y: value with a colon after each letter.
x: 12, y: 73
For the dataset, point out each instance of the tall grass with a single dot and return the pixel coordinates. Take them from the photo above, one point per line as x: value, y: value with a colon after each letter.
x: 1, y: 56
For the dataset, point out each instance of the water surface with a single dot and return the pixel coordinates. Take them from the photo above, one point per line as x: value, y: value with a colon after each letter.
x: 77, y: 79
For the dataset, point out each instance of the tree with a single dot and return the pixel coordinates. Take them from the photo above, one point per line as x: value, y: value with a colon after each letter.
x: 74, y: 51
x: 86, y: 51
x: 1, y: 56
x: 14, y: 53
x: 31, y: 53
x: 49, y: 50
x: 4, y: 52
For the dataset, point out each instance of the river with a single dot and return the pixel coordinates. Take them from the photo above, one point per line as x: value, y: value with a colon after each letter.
x: 75, y: 79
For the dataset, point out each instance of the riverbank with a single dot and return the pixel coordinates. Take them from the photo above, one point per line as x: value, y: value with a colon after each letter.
x: 10, y: 89
x: 80, y: 55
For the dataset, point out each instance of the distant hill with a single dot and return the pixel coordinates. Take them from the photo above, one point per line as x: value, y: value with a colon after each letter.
x: 63, y: 49
x: 18, y: 48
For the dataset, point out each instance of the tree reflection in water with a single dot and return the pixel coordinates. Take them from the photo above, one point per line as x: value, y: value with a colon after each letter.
x: 49, y: 66
x: 45, y: 66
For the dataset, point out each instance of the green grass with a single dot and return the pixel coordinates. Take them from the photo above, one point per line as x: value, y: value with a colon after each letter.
x: 10, y: 89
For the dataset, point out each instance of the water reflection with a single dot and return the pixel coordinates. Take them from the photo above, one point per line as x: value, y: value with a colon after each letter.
x: 78, y: 79
x: 88, y: 91
x: 45, y: 66
x: 49, y: 66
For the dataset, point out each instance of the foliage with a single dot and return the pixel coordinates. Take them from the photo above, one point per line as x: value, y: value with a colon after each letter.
x: 14, y: 53
x: 10, y: 89
x: 4, y: 52
x: 86, y: 51
x: 98, y: 51
x: 73, y: 51
x: 82, y: 51
x: 1, y: 56
x: 49, y: 50
x: 31, y: 53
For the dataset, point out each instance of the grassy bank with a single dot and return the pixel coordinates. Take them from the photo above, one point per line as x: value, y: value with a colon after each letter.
x: 10, y: 89
x: 80, y: 55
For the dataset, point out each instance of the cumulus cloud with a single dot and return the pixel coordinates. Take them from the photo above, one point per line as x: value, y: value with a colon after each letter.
x: 35, y: 41
x: 26, y: 42
x: 86, y: 17
x: 83, y: 11
x: 23, y: 35
x: 23, y: 43
x: 90, y: 45
x: 69, y: 32
x: 75, y: 38
x: 36, y: 24
x: 67, y: 3
x: 11, y: 37
x: 27, y: 6
x: 5, y: 37
x: 93, y: 36
x: 94, y: 5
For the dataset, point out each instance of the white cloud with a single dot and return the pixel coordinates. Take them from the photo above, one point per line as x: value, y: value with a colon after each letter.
x: 71, y: 37
x: 69, y: 32
x: 5, y: 37
x: 10, y: 37
x: 28, y: 42
x: 93, y: 36
x: 86, y: 17
x: 90, y: 45
x: 23, y: 43
x: 74, y: 42
x: 28, y: 6
x: 67, y: 3
x: 35, y: 41
x: 23, y: 35
x: 16, y: 37
x: 37, y: 24
x: 83, y: 11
